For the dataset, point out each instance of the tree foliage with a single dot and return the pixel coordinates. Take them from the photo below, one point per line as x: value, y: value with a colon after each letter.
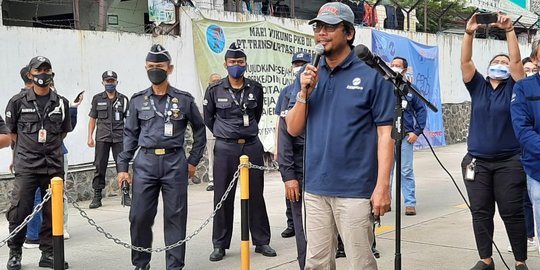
x: 441, y: 14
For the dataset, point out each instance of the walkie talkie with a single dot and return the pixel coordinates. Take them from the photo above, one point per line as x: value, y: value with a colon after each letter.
x: 125, y: 200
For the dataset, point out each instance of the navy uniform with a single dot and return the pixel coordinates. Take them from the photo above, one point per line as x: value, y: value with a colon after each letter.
x: 4, y: 131
x: 40, y: 122
x: 232, y: 115
x: 108, y: 112
x: 155, y: 126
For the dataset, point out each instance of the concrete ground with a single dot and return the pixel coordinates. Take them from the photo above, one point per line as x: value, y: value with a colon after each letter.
x: 439, y: 237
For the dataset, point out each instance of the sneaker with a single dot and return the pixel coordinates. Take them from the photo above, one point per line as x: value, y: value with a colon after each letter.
x: 66, y: 234
x: 30, y: 244
x: 531, y: 246
x: 522, y: 267
x: 480, y: 265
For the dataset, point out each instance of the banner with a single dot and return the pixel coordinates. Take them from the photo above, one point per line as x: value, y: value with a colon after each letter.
x: 161, y: 11
x: 269, y: 49
x: 424, y: 73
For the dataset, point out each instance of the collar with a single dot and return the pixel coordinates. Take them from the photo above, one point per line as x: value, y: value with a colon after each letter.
x: 31, y: 95
x: 227, y: 85
x: 149, y: 92
x: 343, y: 65
x: 104, y: 94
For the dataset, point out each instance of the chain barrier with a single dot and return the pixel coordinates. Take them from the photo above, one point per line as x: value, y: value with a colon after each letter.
x: 117, y: 241
x: 28, y: 218
x: 274, y: 167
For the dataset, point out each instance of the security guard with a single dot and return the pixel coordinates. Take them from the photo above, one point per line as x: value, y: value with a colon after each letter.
x: 109, y: 109
x: 232, y: 109
x: 155, y: 125
x: 39, y: 120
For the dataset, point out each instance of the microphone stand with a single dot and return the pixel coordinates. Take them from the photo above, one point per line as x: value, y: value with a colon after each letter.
x: 401, y: 89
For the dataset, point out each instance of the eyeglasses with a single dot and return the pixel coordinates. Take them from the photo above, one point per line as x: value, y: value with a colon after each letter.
x: 317, y: 27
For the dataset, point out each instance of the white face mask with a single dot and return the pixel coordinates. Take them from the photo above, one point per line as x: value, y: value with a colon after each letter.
x: 530, y: 73
x: 499, y: 72
x: 397, y: 70
x: 295, y: 70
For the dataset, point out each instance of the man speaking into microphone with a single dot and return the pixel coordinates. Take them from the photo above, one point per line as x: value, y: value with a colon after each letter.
x: 346, y: 109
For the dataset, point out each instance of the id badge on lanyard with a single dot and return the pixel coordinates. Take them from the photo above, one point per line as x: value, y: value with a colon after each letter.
x: 42, y: 133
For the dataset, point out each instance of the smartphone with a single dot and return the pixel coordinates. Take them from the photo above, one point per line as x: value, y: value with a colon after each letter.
x: 78, y: 97
x: 486, y: 18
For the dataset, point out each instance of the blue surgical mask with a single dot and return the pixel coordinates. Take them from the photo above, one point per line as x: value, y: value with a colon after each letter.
x: 236, y: 71
x: 110, y: 88
x: 498, y: 72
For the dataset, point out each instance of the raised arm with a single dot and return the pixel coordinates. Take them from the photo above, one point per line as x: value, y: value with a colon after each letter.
x: 467, y: 65
x: 516, y: 67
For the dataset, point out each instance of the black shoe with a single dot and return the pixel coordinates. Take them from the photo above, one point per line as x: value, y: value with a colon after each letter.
x: 340, y: 254
x: 126, y: 201
x: 480, y: 265
x: 289, y: 232
x: 14, y: 262
x: 146, y: 267
x: 96, y: 201
x: 47, y: 261
x: 195, y: 180
x: 265, y: 250
x: 210, y: 188
x: 375, y: 252
x: 217, y: 254
x: 522, y: 267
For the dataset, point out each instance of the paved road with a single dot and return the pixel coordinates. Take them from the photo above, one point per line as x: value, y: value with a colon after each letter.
x: 439, y: 237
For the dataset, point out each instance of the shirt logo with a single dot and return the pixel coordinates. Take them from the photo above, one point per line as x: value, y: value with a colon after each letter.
x: 355, y: 84
x: 102, y: 103
x: 8, y: 114
x: 205, y: 102
x: 222, y: 100
x: 27, y: 110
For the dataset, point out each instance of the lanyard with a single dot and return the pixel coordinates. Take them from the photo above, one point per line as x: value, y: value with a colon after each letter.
x: 166, y: 109
x: 239, y: 104
x: 41, y: 117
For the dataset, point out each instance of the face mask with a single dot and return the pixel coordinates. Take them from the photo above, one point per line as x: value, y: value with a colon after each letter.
x: 110, y: 88
x: 236, y: 71
x: 157, y: 75
x: 397, y: 69
x: 498, y: 72
x: 42, y: 80
x: 530, y: 73
x: 295, y: 70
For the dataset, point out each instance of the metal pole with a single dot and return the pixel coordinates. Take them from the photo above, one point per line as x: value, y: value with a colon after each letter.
x: 57, y: 210
x: 76, y: 14
x: 102, y: 15
x: 244, y: 205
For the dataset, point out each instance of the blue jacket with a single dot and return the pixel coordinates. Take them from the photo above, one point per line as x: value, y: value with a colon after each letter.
x: 526, y: 122
x: 414, y: 116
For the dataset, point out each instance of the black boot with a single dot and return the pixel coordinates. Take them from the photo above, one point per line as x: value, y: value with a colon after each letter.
x: 47, y: 261
x: 96, y: 201
x: 14, y: 262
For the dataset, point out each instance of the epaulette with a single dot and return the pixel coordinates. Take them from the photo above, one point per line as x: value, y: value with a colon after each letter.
x: 253, y: 83
x: 19, y: 95
x: 139, y: 93
x: 214, y: 84
x: 181, y: 92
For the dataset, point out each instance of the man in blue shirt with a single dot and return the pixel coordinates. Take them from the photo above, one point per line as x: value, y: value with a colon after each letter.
x: 414, y: 121
x: 525, y: 111
x: 349, y: 149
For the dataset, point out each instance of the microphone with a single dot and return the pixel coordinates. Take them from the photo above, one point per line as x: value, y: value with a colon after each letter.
x: 374, y: 61
x: 319, y: 51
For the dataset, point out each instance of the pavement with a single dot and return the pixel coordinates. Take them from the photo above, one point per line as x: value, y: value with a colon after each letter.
x: 439, y: 237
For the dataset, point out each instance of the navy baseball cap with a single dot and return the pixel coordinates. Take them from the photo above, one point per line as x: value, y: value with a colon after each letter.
x: 334, y: 13
x: 301, y: 56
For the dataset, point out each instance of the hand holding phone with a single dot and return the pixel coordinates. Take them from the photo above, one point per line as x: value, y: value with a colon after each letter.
x: 79, y: 97
x: 486, y: 18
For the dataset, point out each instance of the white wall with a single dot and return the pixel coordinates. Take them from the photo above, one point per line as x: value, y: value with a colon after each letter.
x: 80, y: 57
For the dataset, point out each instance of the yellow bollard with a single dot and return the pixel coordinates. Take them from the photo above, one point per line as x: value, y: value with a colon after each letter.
x: 57, y: 210
x: 244, y: 209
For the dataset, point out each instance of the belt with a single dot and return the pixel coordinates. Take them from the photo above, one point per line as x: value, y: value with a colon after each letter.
x: 159, y: 151
x: 239, y: 141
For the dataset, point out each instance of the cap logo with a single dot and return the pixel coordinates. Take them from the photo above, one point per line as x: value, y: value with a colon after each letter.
x: 109, y: 73
x: 300, y: 55
x: 41, y: 58
x: 332, y: 10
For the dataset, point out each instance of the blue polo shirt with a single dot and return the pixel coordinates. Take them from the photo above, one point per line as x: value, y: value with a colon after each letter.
x: 283, y: 95
x: 347, y: 105
x: 491, y: 135
x: 526, y: 121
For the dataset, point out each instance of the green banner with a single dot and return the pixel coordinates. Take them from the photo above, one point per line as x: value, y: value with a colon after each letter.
x: 269, y: 49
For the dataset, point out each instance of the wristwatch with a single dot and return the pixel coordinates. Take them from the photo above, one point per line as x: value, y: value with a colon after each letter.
x: 300, y: 99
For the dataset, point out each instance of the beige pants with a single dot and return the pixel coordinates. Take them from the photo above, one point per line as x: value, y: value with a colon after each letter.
x: 351, y: 217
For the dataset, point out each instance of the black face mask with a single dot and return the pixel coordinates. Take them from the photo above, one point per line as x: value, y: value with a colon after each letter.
x: 42, y: 80
x: 157, y: 75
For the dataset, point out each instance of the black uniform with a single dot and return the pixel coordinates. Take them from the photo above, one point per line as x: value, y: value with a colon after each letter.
x: 224, y: 112
x: 110, y: 114
x: 291, y: 166
x: 36, y: 163
x: 3, y: 127
x: 160, y: 164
